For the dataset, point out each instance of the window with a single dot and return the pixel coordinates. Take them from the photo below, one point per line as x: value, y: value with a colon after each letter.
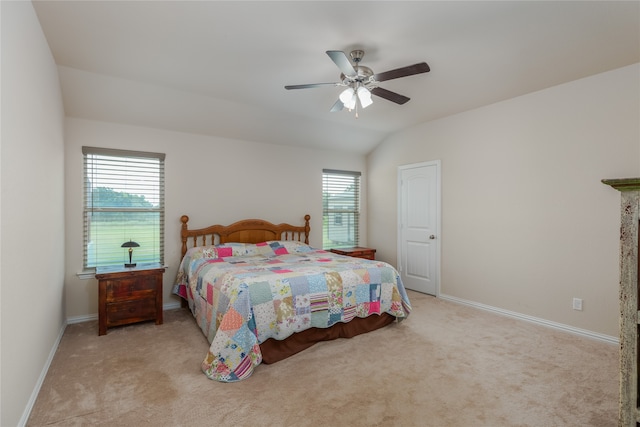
x: 123, y: 201
x: 340, y: 208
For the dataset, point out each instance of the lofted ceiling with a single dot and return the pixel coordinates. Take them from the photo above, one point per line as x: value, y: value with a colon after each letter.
x: 220, y: 67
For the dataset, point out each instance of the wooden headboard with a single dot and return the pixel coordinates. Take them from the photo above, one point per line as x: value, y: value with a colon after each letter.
x: 245, y: 231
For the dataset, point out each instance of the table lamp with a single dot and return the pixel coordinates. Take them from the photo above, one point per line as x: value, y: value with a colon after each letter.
x: 130, y: 244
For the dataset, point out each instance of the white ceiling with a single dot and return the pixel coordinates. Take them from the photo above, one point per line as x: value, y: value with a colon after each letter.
x: 219, y: 68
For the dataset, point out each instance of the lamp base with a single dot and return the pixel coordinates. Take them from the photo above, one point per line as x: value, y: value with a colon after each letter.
x: 130, y: 265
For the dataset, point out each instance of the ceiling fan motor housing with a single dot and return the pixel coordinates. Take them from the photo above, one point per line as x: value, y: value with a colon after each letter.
x: 357, y: 55
x: 363, y: 75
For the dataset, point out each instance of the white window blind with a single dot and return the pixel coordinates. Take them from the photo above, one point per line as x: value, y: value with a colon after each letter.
x: 340, y: 208
x: 123, y: 201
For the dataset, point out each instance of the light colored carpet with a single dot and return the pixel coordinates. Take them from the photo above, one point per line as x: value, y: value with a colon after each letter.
x: 446, y: 365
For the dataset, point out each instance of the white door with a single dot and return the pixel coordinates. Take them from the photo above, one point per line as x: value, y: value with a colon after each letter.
x: 419, y: 226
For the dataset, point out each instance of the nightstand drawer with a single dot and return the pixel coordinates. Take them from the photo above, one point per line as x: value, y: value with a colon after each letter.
x: 121, y: 313
x: 133, y: 288
x: 356, y: 252
x: 364, y: 254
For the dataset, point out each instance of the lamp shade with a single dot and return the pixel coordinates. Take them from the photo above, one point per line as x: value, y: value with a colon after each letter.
x: 130, y: 244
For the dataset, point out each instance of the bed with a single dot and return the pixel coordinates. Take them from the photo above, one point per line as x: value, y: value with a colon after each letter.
x: 260, y: 293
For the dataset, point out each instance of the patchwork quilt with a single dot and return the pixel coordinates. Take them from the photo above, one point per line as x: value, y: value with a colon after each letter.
x: 242, y: 294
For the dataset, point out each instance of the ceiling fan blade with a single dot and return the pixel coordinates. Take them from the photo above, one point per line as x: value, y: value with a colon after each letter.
x: 307, y: 86
x: 410, y: 70
x: 390, y: 96
x: 342, y: 62
x: 338, y: 106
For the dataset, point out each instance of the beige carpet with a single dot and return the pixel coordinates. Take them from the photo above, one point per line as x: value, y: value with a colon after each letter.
x: 447, y: 365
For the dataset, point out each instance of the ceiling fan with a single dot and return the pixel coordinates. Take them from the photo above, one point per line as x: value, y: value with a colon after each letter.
x: 361, y: 82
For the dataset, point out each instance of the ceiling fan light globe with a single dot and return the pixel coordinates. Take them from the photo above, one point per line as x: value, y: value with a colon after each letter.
x: 352, y: 102
x: 346, y: 96
x: 365, y: 97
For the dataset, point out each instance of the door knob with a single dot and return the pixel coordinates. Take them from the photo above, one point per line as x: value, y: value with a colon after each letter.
x: 432, y: 237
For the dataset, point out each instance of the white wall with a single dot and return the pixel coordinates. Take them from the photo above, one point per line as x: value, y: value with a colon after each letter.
x: 526, y: 223
x: 32, y: 210
x: 212, y: 180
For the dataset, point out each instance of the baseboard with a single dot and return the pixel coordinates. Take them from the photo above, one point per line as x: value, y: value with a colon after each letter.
x: 89, y: 317
x: 43, y: 375
x: 171, y: 306
x: 81, y: 319
x: 560, y: 326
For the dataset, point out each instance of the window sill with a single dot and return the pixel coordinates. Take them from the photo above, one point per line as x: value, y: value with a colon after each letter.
x: 87, y: 274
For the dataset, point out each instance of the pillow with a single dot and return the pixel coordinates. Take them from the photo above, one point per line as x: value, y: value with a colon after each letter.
x: 271, y: 248
x: 199, y: 252
x: 191, y: 257
x: 233, y: 249
x: 289, y: 247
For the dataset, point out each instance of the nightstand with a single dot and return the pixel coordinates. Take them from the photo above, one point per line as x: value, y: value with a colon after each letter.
x: 129, y: 295
x: 357, y: 252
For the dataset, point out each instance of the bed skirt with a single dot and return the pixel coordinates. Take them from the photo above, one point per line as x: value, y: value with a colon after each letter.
x: 275, y: 350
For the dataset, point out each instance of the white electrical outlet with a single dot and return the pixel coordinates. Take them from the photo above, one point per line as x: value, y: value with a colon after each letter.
x: 577, y: 304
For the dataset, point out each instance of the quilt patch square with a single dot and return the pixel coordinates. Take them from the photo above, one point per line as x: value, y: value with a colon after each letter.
x: 209, y: 313
x: 210, y: 252
x: 231, y: 354
x: 349, y: 296
x: 284, y: 309
x: 317, y: 283
x: 374, y: 292
x: 386, y: 295
x: 375, y: 275
x: 264, y: 316
x: 223, y: 302
x: 299, y: 285
x: 388, y: 275
x: 363, y: 293
x: 374, y: 307
x: 199, y: 285
x: 280, y: 289
x: 353, y: 277
x: 302, y: 304
x: 362, y: 309
x: 348, y: 313
x: 319, y: 319
x: 318, y: 301
x: 209, y: 293
x: 260, y: 292
x: 231, y: 321
x: 251, y: 323
x: 278, y: 248
x: 225, y: 251
x: 334, y: 317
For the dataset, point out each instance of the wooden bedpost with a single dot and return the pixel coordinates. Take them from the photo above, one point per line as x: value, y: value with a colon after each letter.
x: 307, y: 228
x: 184, y: 219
